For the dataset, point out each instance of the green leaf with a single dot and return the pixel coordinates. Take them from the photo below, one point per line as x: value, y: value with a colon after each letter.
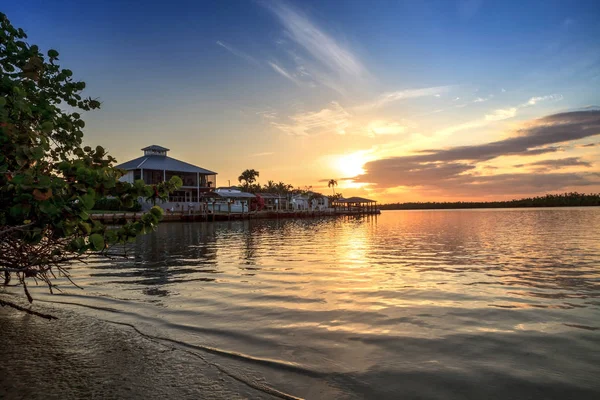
x: 48, y: 207
x: 88, y: 201
x: 47, y: 127
x: 97, y: 241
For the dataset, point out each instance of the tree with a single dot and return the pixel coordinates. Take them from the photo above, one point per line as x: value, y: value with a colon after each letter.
x: 270, y: 187
x: 332, y: 184
x: 334, y: 198
x: 49, y: 181
x: 248, y: 177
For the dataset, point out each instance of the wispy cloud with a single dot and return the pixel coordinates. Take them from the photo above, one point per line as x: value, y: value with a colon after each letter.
x: 534, y: 100
x: 238, y: 53
x: 282, y: 71
x: 317, y: 54
x: 266, y: 153
x: 382, y: 127
x: 315, y: 41
x: 268, y: 114
x: 390, y: 97
x: 501, y: 114
x: 332, y: 119
x: 498, y: 115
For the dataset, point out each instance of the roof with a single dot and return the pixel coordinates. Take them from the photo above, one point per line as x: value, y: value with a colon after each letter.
x: 155, y: 147
x: 233, y: 194
x: 355, y: 200
x: 272, y: 195
x: 163, y: 163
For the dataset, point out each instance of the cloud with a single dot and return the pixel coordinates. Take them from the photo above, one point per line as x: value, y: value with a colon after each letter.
x: 266, y: 153
x: 496, y: 115
x: 382, y: 127
x: 556, y: 164
x: 590, y: 144
x: 389, y: 97
x: 268, y: 114
x: 332, y: 119
x: 501, y: 114
x: 325, y: 59
x: 534, y: 100
x: 453, y: 168
x: 281, y: 71
x: 238, y: 53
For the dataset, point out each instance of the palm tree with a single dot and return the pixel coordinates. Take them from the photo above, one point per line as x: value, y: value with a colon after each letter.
x: 270, y: 187
x: 249, y: 177
x: 332, y: 184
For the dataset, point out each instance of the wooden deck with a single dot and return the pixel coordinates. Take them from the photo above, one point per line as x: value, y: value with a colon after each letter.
x: 121, y: 218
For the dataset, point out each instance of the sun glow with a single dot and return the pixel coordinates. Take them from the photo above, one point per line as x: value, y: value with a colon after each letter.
x: 351, y: 165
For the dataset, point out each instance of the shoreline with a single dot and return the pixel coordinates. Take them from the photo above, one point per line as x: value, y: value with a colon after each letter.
x: 81, y: 356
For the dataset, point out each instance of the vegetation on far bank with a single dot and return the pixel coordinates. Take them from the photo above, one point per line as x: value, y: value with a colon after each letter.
x: 550, y: 200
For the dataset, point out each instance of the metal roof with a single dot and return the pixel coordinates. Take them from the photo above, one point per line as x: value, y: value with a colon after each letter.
x: 163, y: 163
x: 233, y: 194
x: 355, y: 200
x: 272, y: 195
x: 155, y: 147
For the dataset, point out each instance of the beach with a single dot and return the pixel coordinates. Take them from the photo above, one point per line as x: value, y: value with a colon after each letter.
x: 77, y: 357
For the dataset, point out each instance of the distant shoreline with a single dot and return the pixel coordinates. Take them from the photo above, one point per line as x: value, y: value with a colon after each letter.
x: 549, y: 200
x: 383, y: 208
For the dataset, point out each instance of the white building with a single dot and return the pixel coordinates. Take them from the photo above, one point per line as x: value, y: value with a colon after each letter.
x: 155, y: 167
x: 312, y: 203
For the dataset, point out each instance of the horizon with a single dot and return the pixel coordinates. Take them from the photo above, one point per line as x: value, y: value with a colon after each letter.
x: 437, y: 101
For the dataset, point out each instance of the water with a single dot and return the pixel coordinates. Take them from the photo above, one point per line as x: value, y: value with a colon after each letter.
x: 408, y: 304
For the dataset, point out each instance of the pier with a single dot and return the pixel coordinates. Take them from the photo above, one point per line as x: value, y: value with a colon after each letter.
x: 124, y: 217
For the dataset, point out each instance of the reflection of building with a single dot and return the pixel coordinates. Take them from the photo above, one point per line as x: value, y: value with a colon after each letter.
x: 155, y: 167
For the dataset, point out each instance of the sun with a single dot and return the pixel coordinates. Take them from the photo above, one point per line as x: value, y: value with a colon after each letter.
x: 351, y: 165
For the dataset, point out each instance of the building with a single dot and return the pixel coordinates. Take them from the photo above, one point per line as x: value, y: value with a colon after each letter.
x: 155, y: 167
x: 311, y: 201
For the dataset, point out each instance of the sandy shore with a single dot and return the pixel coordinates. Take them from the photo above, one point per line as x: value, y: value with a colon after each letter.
x: 80, y: 357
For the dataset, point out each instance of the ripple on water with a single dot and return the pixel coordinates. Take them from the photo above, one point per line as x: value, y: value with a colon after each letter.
x: 421, y: 304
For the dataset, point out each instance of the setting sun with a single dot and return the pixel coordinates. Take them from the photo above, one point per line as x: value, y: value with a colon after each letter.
x: 351, y: 165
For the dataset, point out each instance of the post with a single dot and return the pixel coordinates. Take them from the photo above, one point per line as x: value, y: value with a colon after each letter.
x: 198, y: 185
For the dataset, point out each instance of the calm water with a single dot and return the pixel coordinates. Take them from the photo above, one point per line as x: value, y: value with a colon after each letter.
x: 408, y: 304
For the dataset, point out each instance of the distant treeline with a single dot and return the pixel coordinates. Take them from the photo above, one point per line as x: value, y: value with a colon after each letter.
x: 549, y: 200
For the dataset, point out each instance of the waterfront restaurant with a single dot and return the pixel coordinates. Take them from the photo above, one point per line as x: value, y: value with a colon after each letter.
x: 155, y: 167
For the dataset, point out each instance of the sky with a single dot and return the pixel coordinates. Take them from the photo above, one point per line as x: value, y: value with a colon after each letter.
x: 396, y: 100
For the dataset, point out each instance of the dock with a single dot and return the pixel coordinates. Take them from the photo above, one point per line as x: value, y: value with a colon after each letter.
x: 124, y: 217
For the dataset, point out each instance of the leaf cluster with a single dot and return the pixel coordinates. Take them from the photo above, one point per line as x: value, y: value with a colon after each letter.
x: 50, y: 181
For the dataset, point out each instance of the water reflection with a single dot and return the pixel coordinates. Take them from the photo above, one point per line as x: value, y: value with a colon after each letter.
x: 366, y: 302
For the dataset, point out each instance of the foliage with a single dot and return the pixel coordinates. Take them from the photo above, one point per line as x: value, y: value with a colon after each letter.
x: 332, y: 184
x: 160, y: 192
x: 49, y: 182
x: 248, y: 177
x: 335, y: 197
x: 550, y: 200
x: 257, y: 203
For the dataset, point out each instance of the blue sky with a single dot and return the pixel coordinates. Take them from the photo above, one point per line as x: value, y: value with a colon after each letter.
x: 313, y: 90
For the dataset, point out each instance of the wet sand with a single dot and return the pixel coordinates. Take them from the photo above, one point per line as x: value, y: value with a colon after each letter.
x: 79, y: 357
